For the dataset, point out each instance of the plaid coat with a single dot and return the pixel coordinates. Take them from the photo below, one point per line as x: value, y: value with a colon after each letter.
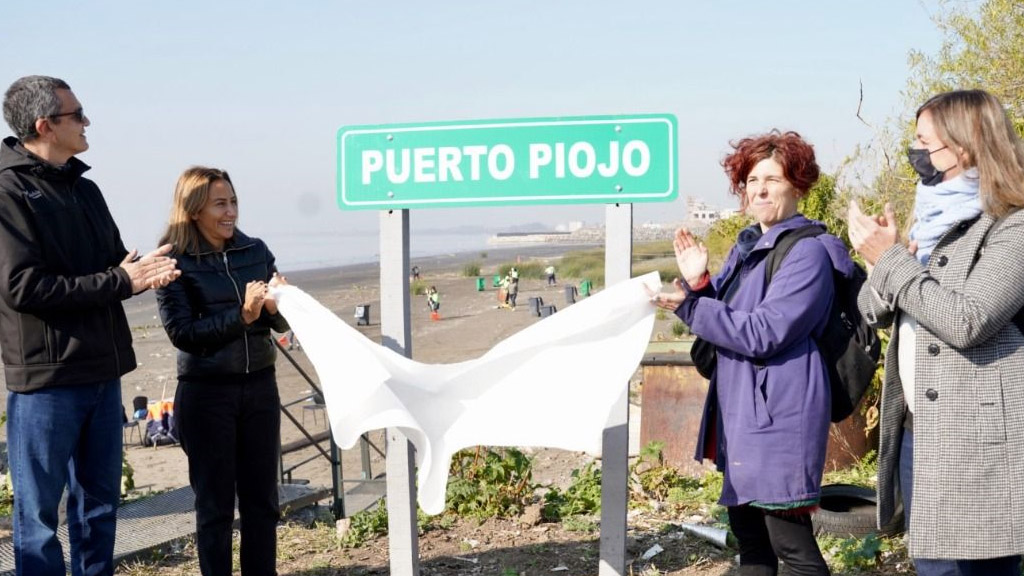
x: 968, y: 389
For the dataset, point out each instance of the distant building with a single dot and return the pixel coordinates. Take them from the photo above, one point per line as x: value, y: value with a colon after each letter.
x: 571, y: 226
x: 697, y: 211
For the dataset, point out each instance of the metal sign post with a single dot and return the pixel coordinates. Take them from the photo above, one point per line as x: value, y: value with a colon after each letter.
x: 618, y: 257
x: 396, y: 334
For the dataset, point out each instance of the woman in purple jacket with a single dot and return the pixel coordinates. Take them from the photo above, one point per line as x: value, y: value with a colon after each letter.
x: 766, y: 419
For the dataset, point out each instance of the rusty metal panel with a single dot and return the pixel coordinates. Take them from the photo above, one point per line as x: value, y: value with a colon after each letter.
x: 672, y: 400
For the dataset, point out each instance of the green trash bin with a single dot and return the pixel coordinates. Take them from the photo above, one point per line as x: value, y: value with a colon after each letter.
x: 497, y: 280
x: 585, y: 288
x: 480, y: 284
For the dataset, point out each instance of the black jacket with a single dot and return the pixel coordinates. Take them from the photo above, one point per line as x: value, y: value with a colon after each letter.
x: 202, y: 311
x: 61, y: 284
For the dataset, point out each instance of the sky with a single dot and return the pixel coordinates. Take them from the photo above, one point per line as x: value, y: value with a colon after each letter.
x: 260, y: 89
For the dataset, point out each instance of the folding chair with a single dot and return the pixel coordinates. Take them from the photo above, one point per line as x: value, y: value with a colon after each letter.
x: 318, y: 408
x: 129, y: 427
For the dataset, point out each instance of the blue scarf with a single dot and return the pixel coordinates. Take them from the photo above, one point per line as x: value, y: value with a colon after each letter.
x: 938, y: 208
x: 747, y: 240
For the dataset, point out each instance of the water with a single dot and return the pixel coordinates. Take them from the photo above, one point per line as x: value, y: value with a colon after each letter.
x: 306, y: 251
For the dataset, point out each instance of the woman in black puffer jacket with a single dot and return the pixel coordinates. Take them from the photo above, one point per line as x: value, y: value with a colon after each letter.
x: 227, y: 407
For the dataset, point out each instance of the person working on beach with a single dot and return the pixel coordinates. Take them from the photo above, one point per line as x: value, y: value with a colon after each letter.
x: 65, y: 339
x: 513, y: 290
x: 550, y: 271
x: 951, y: 430
x: 227, y: 403
x: 433, y: 300
x: 768, y: 408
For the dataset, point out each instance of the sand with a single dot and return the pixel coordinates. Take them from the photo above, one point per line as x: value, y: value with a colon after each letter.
x: 470, y: 324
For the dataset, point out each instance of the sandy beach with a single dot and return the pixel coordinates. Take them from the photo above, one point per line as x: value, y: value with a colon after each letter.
x: 470, y: 324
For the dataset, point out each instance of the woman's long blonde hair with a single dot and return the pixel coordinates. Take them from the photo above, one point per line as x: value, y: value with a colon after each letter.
x: 974, y: 123
x: 190, y: 196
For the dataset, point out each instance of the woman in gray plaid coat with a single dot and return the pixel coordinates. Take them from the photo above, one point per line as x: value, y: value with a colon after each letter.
x: 952, y: 421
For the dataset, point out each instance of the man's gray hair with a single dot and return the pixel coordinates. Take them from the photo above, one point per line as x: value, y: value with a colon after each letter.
x: 28, y: 99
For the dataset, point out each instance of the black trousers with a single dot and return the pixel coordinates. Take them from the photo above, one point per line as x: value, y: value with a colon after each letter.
x: 231, y: 433
x: 766, y: 537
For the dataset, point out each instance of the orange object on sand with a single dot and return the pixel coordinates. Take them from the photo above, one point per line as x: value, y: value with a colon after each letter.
x: 435, y: 316
x: 283, y: 340
x: 156, y: 408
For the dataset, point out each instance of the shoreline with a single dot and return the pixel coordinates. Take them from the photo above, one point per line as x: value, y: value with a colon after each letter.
x: 347, y: 275
x: 142, y: 310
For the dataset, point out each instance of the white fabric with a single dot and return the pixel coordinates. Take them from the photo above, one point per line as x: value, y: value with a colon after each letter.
x: 905, y: 354
x: 552, y: 384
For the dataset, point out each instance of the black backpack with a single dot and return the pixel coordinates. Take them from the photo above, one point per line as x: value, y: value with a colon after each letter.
x: 849, y: 347
x: 162, y: 432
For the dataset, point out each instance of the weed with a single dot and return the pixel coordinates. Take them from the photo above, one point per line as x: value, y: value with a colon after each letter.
x: 862, y: 473
x: 533, y: 270
x: 586, y: 524
x: 679, y: 329
x: 484, y: 482
x: 583, y: 496
x: 6, y: 496
x: 418, y: 287
x: 652, y: 479
x: 660, y: 314
x: 366, y: 525
x: 471, y: 269
x: 127, y: 475
x: 847, y: 554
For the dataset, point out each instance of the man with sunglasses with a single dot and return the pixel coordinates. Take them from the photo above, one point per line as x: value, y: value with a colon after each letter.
x: 64, y: 336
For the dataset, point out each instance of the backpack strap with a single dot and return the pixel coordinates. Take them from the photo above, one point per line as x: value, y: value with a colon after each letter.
x: 783, y: 244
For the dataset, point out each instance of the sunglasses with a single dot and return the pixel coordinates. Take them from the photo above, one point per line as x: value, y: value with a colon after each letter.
x: 78, y: 115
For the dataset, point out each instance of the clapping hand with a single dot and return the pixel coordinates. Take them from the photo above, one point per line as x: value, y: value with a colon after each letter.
x: 691, y: 256
x: 668, y: 300
x: 255, y: 293
x: 268, y: 301
x: 154, y: 270
x: 871, y: 235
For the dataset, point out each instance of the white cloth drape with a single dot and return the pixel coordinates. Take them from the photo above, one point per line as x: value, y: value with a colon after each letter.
x: 551, y: 385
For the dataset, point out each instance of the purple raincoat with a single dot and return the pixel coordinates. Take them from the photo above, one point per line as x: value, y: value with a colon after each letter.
x: 766, y: 418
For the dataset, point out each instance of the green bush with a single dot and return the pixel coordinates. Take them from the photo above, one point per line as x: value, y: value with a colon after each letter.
x: 485, y: 482
x: 849, y: 554
x: 581, y: 498
x: 471, y: 269
x: 652, y: 479
x: 587, y: 264
x: 679, y: 329
x: 418, y: 287
x: 647, y: 257
x: 861, y: 473
x: 366, y: 525
x: 533, y: 270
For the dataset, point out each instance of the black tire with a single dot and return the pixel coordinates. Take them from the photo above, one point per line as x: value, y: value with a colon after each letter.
x: 847, y: 510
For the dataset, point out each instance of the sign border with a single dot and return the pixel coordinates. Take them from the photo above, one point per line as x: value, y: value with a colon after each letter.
x: 600, y: 198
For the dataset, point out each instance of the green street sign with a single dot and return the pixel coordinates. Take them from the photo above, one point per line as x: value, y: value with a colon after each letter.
x: 578, y: 160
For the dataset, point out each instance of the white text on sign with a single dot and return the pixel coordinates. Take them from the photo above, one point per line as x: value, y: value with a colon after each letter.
x: 455, y: 164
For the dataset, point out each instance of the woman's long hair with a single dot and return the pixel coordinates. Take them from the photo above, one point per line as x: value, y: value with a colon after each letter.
x: 975, y: 125
x: 190, y: 196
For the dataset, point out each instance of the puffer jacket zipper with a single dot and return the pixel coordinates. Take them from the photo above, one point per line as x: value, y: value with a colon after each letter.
x: 241, y: 301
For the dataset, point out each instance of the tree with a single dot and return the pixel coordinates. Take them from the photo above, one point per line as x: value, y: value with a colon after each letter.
x: 983, y: 47
x: 822, y: 203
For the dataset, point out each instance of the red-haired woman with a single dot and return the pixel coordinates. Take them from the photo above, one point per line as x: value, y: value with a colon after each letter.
x: 767, y: 414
